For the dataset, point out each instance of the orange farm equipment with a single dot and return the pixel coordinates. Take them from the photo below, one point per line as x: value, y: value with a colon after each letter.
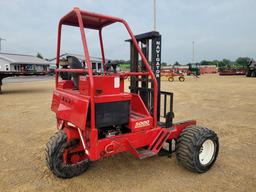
x: 170, y: 74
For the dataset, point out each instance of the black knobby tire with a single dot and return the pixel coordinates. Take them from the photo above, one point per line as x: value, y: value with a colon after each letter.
x: 54, y: 157
x: 181, y: 79
x: 171, y: 79
x: 189, y: 146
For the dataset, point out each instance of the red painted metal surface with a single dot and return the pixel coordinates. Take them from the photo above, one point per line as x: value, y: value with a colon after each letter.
x: 105, y: 85
x: 72, y: 70
x: 127, y: 74
x: 70, y: 107
x: 232, y: 71
x: 124, y: 142
x: 84, y: 19
x: 138, y: 106
x: 75, y: 109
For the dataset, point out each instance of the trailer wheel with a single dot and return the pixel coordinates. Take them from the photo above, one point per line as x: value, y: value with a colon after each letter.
x: 61, y: 163
x: 197, y: 148
x: 170, y: 79
x: 181, y: 79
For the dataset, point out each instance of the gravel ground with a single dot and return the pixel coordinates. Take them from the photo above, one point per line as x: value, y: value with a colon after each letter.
x: 225, y: 104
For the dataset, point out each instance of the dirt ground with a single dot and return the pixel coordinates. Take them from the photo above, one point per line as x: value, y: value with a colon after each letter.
x: 225, y: 104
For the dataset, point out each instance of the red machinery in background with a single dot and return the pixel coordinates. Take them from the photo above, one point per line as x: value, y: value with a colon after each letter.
x: 171, y: 73
x: 232, y: 71
x: 96, y: 118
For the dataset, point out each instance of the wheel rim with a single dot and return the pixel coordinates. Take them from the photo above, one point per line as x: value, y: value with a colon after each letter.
x: 206, y: 152
x: 72, y: 157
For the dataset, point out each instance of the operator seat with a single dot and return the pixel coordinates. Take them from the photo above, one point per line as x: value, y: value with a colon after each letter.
x: 74, y: 63
x: 65, y: 75
x: 112, y: 66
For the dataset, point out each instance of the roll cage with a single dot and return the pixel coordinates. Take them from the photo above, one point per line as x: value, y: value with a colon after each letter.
x: 89, y: 20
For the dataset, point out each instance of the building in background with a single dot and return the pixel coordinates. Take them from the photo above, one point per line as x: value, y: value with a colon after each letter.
x: 22, y: 63
x: 96, y: 61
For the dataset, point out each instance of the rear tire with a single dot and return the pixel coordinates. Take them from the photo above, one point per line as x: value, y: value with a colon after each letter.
x: 54, y: 153
x: 197, y: 148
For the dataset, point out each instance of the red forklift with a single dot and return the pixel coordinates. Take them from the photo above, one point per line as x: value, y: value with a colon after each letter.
x: 96, y: 118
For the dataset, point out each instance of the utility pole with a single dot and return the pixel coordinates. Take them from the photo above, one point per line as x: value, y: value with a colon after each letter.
x: 1, y: 39
x: 193, y: 52
x: 154, y: 7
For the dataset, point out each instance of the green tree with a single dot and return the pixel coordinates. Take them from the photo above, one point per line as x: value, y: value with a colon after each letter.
x: 176, y: 63
x: 204, y: 62
x: 215, y: 62
x: 39, y: 55
x: 242, y: 61
x: 221, y: 64
x: 226, y: 63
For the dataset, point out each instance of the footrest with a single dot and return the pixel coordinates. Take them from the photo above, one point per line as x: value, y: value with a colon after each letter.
x: 144, y: 153
x: 158, y: 143
x: 153, y: 148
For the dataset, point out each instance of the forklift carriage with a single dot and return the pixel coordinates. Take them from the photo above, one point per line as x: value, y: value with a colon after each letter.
x: 98, y: 118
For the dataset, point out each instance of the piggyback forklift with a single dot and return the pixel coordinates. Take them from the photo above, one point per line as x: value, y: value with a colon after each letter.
x: 96, y: 118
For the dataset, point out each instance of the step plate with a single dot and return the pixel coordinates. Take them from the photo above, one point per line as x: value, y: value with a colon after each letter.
x: 146, y: 153
x: 158, y: 143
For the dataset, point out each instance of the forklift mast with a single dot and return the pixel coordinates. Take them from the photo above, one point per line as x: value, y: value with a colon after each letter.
x: 150, y: 44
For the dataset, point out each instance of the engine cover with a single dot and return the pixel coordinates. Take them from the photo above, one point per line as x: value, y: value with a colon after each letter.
x: 112, y: 113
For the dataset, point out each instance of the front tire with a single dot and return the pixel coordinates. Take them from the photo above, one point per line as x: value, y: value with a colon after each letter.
x: 197, y: 148
x: 60, y: 162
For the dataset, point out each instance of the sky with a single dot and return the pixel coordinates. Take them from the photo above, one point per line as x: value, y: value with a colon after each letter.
x: 219, y: 28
